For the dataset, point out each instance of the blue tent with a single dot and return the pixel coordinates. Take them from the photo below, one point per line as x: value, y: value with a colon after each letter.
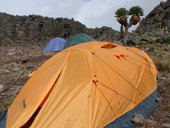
x: 55, y: 45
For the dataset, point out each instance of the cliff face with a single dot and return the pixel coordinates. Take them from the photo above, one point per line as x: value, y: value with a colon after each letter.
x: 34, y: 27
x: 37, y: 28
x: 157, y: 22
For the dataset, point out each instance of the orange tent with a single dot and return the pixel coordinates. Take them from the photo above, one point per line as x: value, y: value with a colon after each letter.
x: 89, y: 85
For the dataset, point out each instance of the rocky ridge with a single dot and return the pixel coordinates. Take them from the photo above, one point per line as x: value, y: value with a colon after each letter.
x: 38, y: 28
x: 157, y: 22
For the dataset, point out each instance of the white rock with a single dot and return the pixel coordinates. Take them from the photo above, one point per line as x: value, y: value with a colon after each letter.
x: 1, y: 87
x: 166, y: 125
x: 11, y: 52
x: 20, y: 52
x: 16, y: 69
x: 138, y: 119
x: 4, y: 70
x: 151, y: 122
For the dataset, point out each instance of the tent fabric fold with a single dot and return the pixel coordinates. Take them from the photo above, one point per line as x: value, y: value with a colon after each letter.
x: 35, y: 90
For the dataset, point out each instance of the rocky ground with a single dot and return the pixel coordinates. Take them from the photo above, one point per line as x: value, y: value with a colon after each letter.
x: 160, y: 54
x: 18, y: 60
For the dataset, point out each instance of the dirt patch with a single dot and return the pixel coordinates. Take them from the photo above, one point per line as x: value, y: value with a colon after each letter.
x: 16, y: 62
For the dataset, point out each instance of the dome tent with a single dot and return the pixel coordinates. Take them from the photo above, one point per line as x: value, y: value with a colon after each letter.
x: 94, y: 85
x: 55, y: 45
x: 78, y: 39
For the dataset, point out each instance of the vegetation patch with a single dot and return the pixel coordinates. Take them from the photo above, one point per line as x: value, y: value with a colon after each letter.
x: 151, y: 49
x: 163, y: 40
x: 1, y: 109
x: 66, y: 23
x: 8, y: 102
x: 41, y: 21
x: 162, y: 64
x: 19, y: 42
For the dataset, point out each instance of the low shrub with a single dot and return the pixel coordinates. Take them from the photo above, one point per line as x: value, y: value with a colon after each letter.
x: 162, y: 64
x: 8, y: 102
x: 166, y: 40
x: 151, y: 49
x: 163, y: 40
x: 1, y: 109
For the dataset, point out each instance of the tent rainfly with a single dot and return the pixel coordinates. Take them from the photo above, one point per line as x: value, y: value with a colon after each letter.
x: 55, y: 45
x: 78, y: 39
x: 90, y: 85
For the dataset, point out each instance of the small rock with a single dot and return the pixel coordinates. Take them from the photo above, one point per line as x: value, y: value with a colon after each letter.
x: 165, y: 49
x: 12, y: 52
x: 166, y: 125
x: 147, y: 49
x: 20, y: 33
x: 16, y: 69
x: 159, y: 100
x: 168, y: 46
x: 153, y: 38
x: 144, y: 41
x: 166, y: 55
x: 138, y: 119
x: 151, y: 122
x: 4, y: 70
x: 1, y: 87
x: 20, y: 52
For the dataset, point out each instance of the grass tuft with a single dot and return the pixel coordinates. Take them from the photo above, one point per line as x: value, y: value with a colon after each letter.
x: 162, y: 64
x: 8, y: 102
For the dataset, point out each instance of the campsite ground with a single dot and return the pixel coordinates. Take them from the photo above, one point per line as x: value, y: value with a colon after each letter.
x: 18, y: 60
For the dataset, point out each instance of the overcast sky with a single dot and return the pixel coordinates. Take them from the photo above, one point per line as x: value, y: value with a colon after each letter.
x: 92, y: 13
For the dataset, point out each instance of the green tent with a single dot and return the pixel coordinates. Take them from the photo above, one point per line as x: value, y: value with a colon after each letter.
x: 78, y: 39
